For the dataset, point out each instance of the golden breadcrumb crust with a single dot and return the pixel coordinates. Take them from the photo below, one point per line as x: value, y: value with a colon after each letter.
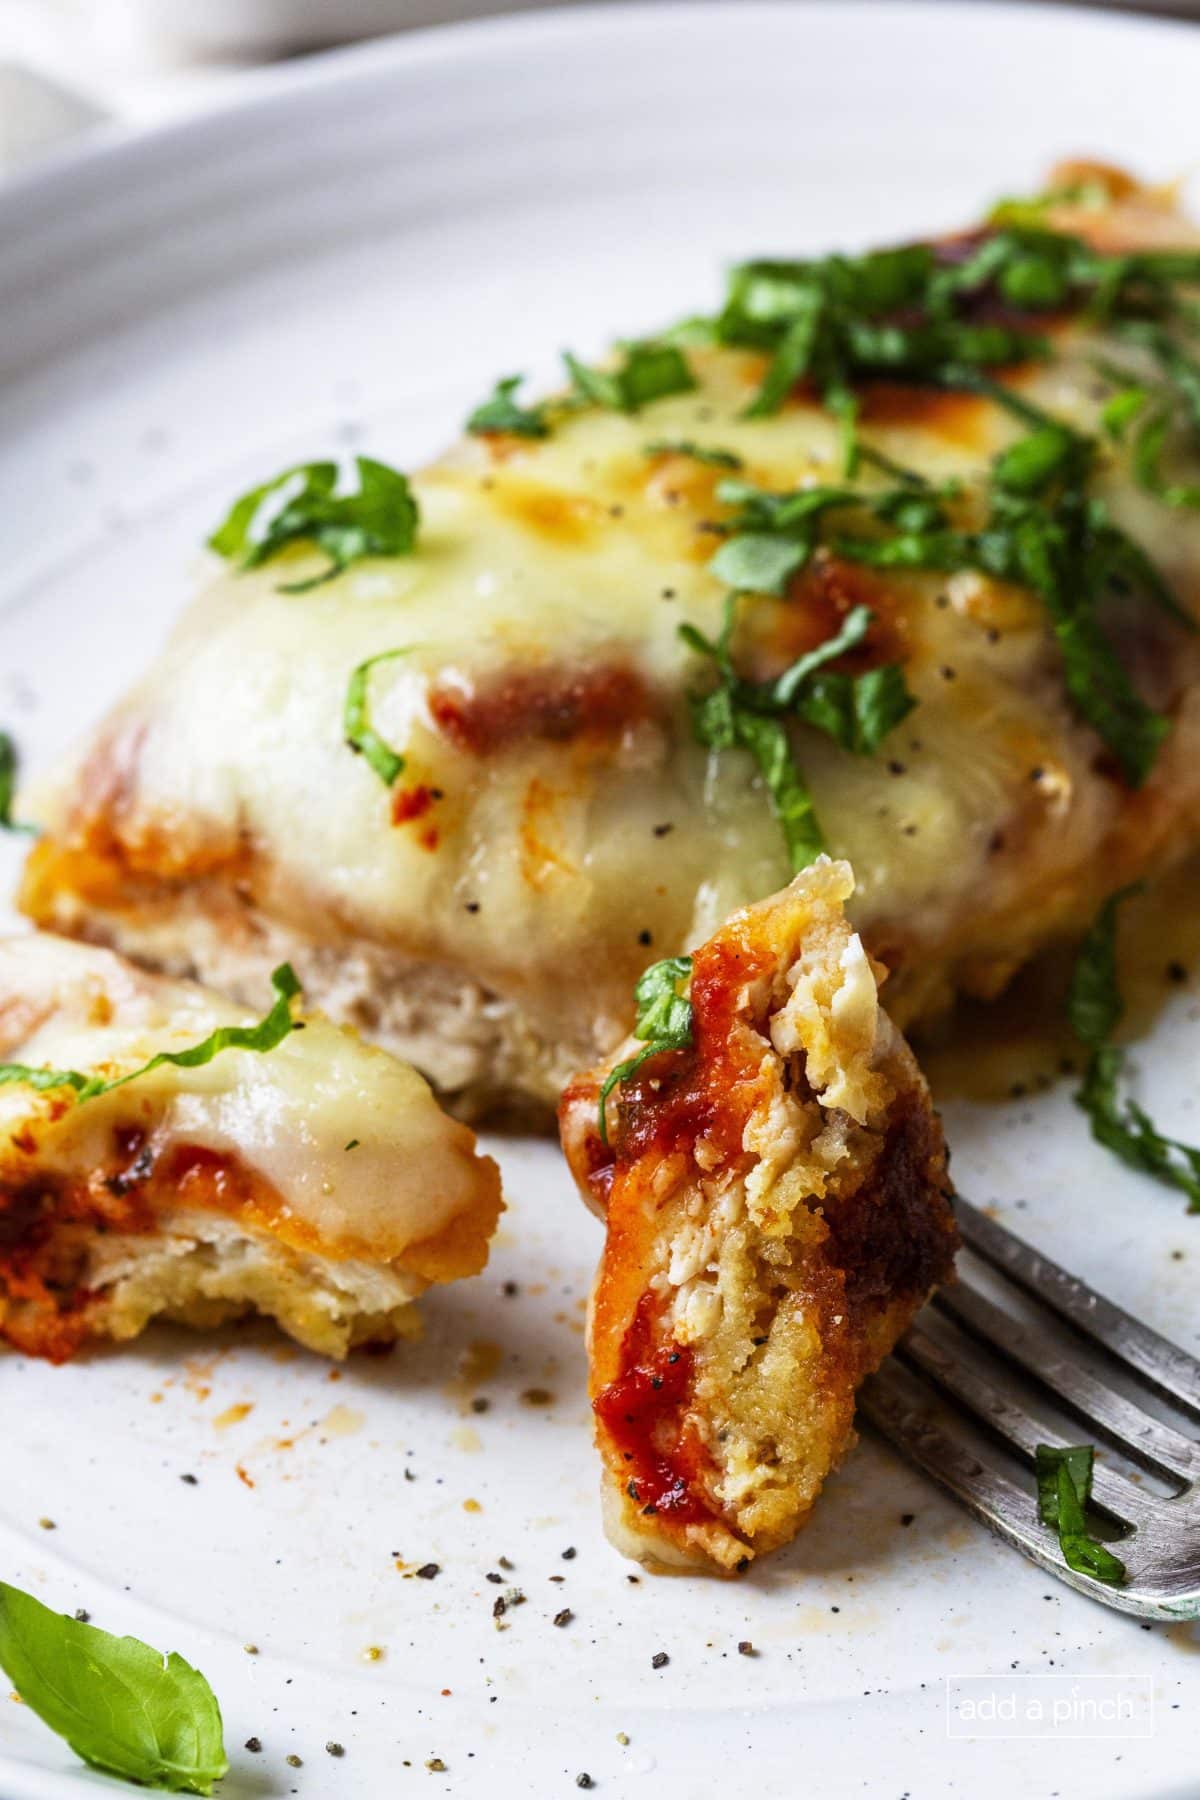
x: 777, y: 1209
x: 316, y: 1182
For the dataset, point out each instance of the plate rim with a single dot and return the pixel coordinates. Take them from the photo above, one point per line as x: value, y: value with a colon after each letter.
x: 121, y: 148
x: 114, y: 141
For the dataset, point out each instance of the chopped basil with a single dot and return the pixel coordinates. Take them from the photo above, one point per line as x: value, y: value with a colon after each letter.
x: 121, y: 1706
x: 650, y: 371
x: 907, y: 313
x: 774, y: 535
x: 500, y: 412
x: 701, y: 453
x: 8, y: 785
x: 1154, y: 414
x: 664, y: 1020
x: 1064, y: 1487
x: 303, y: 506
x: 856, y: 711
x: 1124, y: 1128
x: 278, y: 1024
x: 1031, y: 210
x: 360, y: 735
x: 1045, y: 532
x: 835, y: 320
x: 1094, y: 1004
x: 1094, y: 1009
x: 1122, y: 409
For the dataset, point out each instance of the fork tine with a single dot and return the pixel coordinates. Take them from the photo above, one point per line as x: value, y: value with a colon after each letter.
x: 1041, y: 1354
x: 1163, y: 1364
x: 901, y: 1406
x: 1021, y: 1427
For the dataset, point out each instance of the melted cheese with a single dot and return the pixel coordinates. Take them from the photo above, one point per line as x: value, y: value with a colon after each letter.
x: 287, y: 1115
x: 546, y: 840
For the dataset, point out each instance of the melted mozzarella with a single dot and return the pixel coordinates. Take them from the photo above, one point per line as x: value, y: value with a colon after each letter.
x: 288, y: 1115
x: 549, y: 860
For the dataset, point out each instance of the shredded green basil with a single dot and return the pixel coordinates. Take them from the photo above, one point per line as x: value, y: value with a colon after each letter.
x: 1032, y: 209
x: 701, y: 453
x: 1045, y: 532
x: 121, y: 1706
x: 664, y: 1021
x: 500, y: 412
x: 277, y: 1025
x: 8, y: 785
x: 303, y: 506
x: 1064, y: 1488
x: 833, y: 321
x: 650, y: 371
x: 360, y: 735
x: 771, y: 536
x: 856, y: 711
x: 1095, y: 1008
x: 1154, y: 415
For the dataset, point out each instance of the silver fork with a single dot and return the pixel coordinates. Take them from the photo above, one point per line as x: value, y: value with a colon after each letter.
x: 919, y: 1396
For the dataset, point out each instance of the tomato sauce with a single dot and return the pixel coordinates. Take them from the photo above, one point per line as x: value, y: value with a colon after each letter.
x: 550, y: 705
x: 642, y: 1412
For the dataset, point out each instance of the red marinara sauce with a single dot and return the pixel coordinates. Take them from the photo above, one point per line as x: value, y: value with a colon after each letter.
x: 642, y: 1413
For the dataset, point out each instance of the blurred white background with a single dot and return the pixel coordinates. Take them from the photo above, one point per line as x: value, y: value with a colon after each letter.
x: 64, y: 63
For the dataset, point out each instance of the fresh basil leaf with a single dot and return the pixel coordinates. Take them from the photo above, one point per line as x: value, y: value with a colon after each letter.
x: 1093, y: 195
x: 303, y: 506
x: 912, y: 478
x: 1103, y: 695
x: 1044, y: 533
x: 1034, y: 281
x: 792, y: 359
x: 272, y: 1030
x: 1086, y: 1555
x: 8, y: 786
x: 357, y: 729
x: 501, y: 413
x: 664, y: 1018
x: 857, y: 711
x: 1094, y: 1009
x: 1048, y: 1459
x: 661, y: 1012
x: 737, y: 715
x: 701, y: 453
x: 1149, y: 444
x: 121, y: 1706
x: 1033, y: 462
x: 1094, y: 1004
x: 924, y: 351
x: 855, y: 627
x: 913, y: 314
x: 698, y: 331
x: 773, y: 534
x: 767, y: 741
x: 1130, y: 1134
x: 1122, y: 409
x: 946, y: 550
x: 756, y: 562
x: 1064, y: 1484
x: 650, y: 371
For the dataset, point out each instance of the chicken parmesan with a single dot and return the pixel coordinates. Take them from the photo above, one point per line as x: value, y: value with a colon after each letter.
x: 773, y: 1182
x: 161, y: 1157
x: 894, y: 557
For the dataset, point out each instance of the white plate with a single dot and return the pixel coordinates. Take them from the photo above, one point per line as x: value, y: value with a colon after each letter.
x: 351, y: 259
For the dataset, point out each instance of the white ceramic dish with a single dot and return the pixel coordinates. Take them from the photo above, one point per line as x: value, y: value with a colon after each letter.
x: 351, y: 259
